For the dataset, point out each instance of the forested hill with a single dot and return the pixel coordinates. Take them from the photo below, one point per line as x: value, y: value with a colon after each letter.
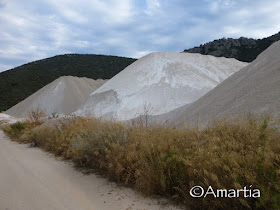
x: 20, y: 82
x: 243, y: 49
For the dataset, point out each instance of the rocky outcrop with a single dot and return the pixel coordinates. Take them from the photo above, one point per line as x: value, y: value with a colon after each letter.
x: 242, y: 49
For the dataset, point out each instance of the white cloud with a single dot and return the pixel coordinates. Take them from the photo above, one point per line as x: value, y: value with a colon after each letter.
x: 216, y: 6
x: 256, y: 20
x: 88, y: 11
x: 140, y: 54
x: 6, y: 67
x: 152, y: 6
x: 34, y: 29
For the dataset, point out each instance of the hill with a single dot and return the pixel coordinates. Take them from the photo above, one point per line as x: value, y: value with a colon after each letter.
x: 19, y: 83
x: 242, y: 49
x: 62, y: 96
x: 254, y: 90
x: 162, y: 81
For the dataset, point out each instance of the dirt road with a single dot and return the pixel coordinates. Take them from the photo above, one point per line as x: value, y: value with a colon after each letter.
x: 32, y: 179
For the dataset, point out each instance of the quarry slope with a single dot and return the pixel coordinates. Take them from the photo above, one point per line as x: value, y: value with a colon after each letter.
x: 63, y: 96
x: 162, y: 81
x: 254, y: 89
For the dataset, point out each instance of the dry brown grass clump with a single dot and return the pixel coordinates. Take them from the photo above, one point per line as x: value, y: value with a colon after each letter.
x: 166, y: 161
x: 21, y: 130
x: 36, y: 116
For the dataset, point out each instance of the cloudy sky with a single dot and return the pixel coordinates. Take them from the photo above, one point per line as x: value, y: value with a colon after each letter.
x: 32, y: 29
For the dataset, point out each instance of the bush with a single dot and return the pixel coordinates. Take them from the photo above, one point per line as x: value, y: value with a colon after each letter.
x: 36, y: 116
x: 53, y: 115
x: 18, y: 126
x: 15, y: 130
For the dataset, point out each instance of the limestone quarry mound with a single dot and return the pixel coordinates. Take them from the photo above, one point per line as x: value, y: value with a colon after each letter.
x: 253, y: 90
x: 7, y: 119
x: 62, y: 96
x: 159, y: 82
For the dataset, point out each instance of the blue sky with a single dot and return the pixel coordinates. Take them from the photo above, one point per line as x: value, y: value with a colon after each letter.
x: 32, y: 29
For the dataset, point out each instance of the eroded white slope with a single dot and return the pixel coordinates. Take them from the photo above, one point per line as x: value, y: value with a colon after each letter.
x: 163, y: 80
x: 63, y: 96
x: 254, y: 89
x: 7, y: 119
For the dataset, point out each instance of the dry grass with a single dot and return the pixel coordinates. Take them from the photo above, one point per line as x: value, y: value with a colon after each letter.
x: 36, y: 116
x: 166, y: 161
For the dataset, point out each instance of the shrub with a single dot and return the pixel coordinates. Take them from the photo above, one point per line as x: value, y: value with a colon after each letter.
x: 15, y: 130
x: 36, y: 116
x: 53, y: 115
x: 18, y: 126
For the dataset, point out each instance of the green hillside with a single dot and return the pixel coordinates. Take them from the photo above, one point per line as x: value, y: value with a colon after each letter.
x: 20, y: 82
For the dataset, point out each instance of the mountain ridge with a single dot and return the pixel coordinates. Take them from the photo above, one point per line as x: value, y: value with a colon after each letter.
x: 243, y: 49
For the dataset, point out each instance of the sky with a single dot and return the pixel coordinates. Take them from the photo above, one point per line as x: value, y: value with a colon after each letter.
x: 32, y: 30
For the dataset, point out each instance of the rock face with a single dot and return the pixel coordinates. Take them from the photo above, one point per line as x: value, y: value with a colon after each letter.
x: 162, y: 81
x: 62, y: 96
x: 242, y: 49
x: 254, y: 89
